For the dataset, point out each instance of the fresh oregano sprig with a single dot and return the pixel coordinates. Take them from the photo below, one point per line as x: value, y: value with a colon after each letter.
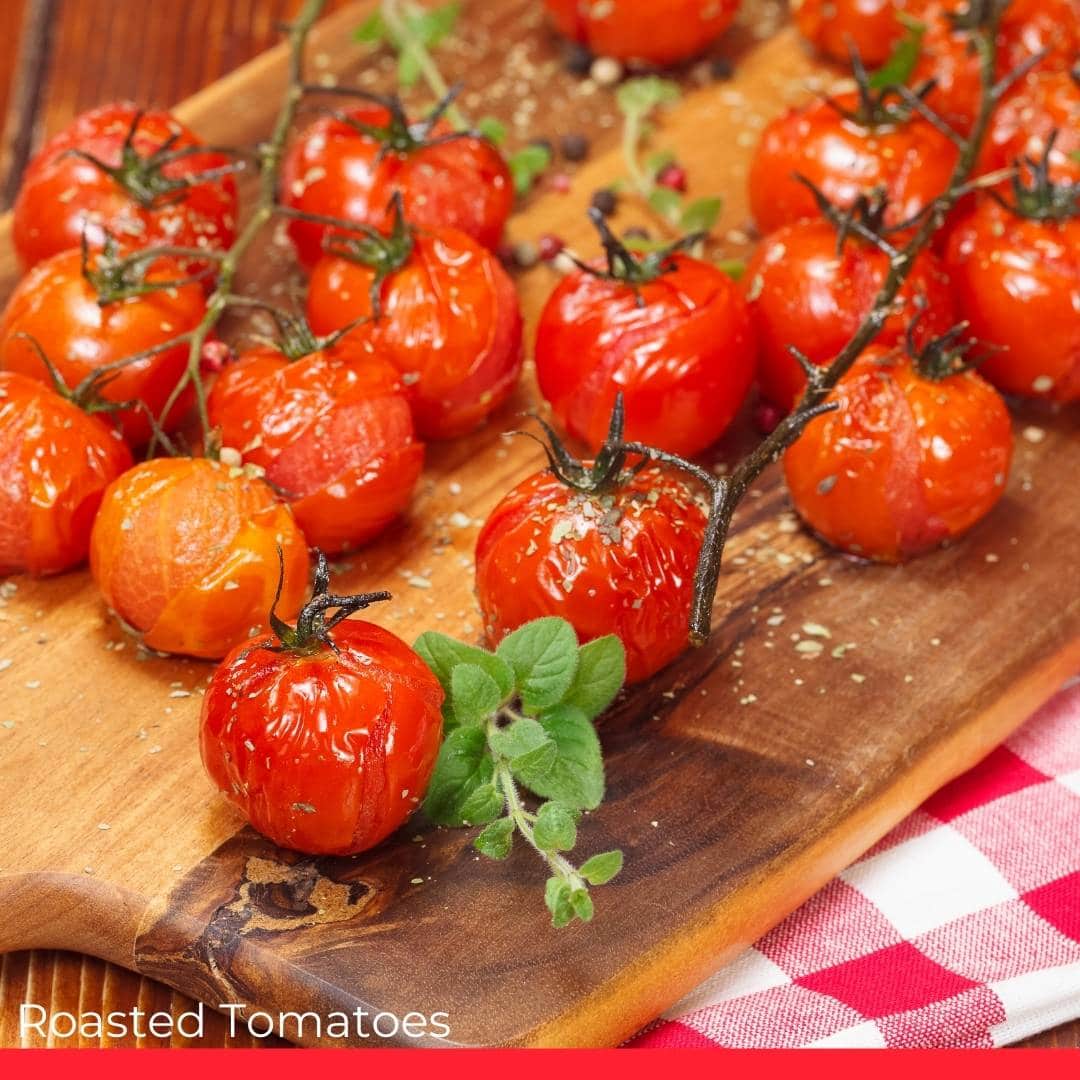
x: 519, y: 722
x: 638, y: 99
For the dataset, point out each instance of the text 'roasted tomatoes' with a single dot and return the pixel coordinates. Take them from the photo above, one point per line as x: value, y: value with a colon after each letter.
x: 809, y: 290
x: 332, y: 429
x: 442, y: 310
x: 912, y: 456
x: 848, y: 146
x: 1016, y: 274
x: 325, y: 734
x: 140, y: 177
x: 185, y: 552
x: 671, y: 333
x: 82, y: 331
x: 348, y: 166
x: 55, y: 463
x: 657, y: 31
x: 609, y: 550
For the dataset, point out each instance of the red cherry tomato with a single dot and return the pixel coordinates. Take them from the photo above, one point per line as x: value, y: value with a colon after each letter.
x: 58, y: 308
x: 1045, y: 103
x: 804, y: 292
x: 326, y: 738
x: 905, y: 463
x: 1017, y: 281
x: 338, y: 170
x: 333, y: 431
x: 55, y: 463
x: 909, y: 159
x: 185, y: 552
x: 616, y: 561
x: 155, y: 196
x: 657, y: 31
x: 679, y: 347
x: 834, y: 27
x: 1027, y: 27
x: 449, y: 320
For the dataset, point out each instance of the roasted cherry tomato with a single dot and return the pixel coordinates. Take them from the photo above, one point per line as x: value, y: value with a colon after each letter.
x: 657, y: 31
x: 1017, y: 281
x: 56, y: 460
x: 1045, y: 106
x: 68, y: 314
x: 185, y: 552
x: 325, y: 734
x: 1027, y: 27
x: 848, y: 146
x: 446, y: 315
x: 671, y: 333
x: 137, y: 176
x: 810, y: 291
x: 872, y: 27
x: 350, y: 164
x: 610, y: 551
x: 907, y: 461
x: 333, y: 431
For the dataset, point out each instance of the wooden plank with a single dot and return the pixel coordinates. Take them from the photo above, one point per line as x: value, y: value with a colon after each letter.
x: 756, y: 805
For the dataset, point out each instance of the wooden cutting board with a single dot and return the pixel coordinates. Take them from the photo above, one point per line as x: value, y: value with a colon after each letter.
x: 741, y: 779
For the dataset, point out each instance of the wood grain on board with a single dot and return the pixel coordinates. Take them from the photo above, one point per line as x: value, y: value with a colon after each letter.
x: 741, y: 779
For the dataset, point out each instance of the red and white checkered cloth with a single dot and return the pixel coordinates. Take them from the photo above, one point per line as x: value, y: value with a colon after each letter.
x: 961, y: 928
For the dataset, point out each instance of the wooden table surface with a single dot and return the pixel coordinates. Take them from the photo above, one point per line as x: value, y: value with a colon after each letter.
x: 64, y: 56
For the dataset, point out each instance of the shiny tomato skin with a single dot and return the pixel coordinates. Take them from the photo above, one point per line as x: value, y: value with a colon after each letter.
x: 334, y: 170
x: 1018, y: 283
x: 61, y: 195
x: 609, y: 564
x: 326, y: 753
x: 905, y: 463
x: 332, y: 431
x: 912, y: 161
x: 683, y: 357
x: 834, y: 26
x: 450, y: 323
x: 1044, y: 102
x: 55, y: 463
x: 58, y: 307
x: 185, y: 552
x: 803, y: 293
x: 656, y: 31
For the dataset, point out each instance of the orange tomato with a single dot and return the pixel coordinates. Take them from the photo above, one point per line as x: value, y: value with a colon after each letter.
x: 185, y: 552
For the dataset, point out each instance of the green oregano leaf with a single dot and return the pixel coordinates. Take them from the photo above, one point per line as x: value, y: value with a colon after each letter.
x: 734, y: 268
x: 576, y: 776
x: 463, y: 765
x: 474, y: 694
x: 638, y: 97
x: 527, y: 747
x: 600, y: 869
x: 484, y: 804
x: 701, y: 215
x: 497, y: 840
x: 526, y: 165
x: 581, y: 902
x: 442, y: 654
x: 900, y: 66
x: 557, y: 897
x: 544, y: 656
x: 601, y: 671
x: 555, y: 828
x: 493, y: 129
x: 666, y: 202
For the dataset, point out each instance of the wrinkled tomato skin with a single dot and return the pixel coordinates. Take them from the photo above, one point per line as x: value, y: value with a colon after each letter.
x: 904, y: 464
x: 57, y: 307
x: 912, y: 161
x: 63, y: 195
x: 334, y: 170
x: 1017, y: 282
x: 612, y: 564
x: 185, y: 552
x: 804, y: 293
x: 327, y: 753
x: 332, y: 431
x: 450, y: 323
x: 1043, y: 103
x: 55, y: 463
x: 683, y: 357
x: 657, y: 31
x: 834, y: 26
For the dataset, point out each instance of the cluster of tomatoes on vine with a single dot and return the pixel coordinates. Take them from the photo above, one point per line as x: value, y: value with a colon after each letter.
x: 412, y: 332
